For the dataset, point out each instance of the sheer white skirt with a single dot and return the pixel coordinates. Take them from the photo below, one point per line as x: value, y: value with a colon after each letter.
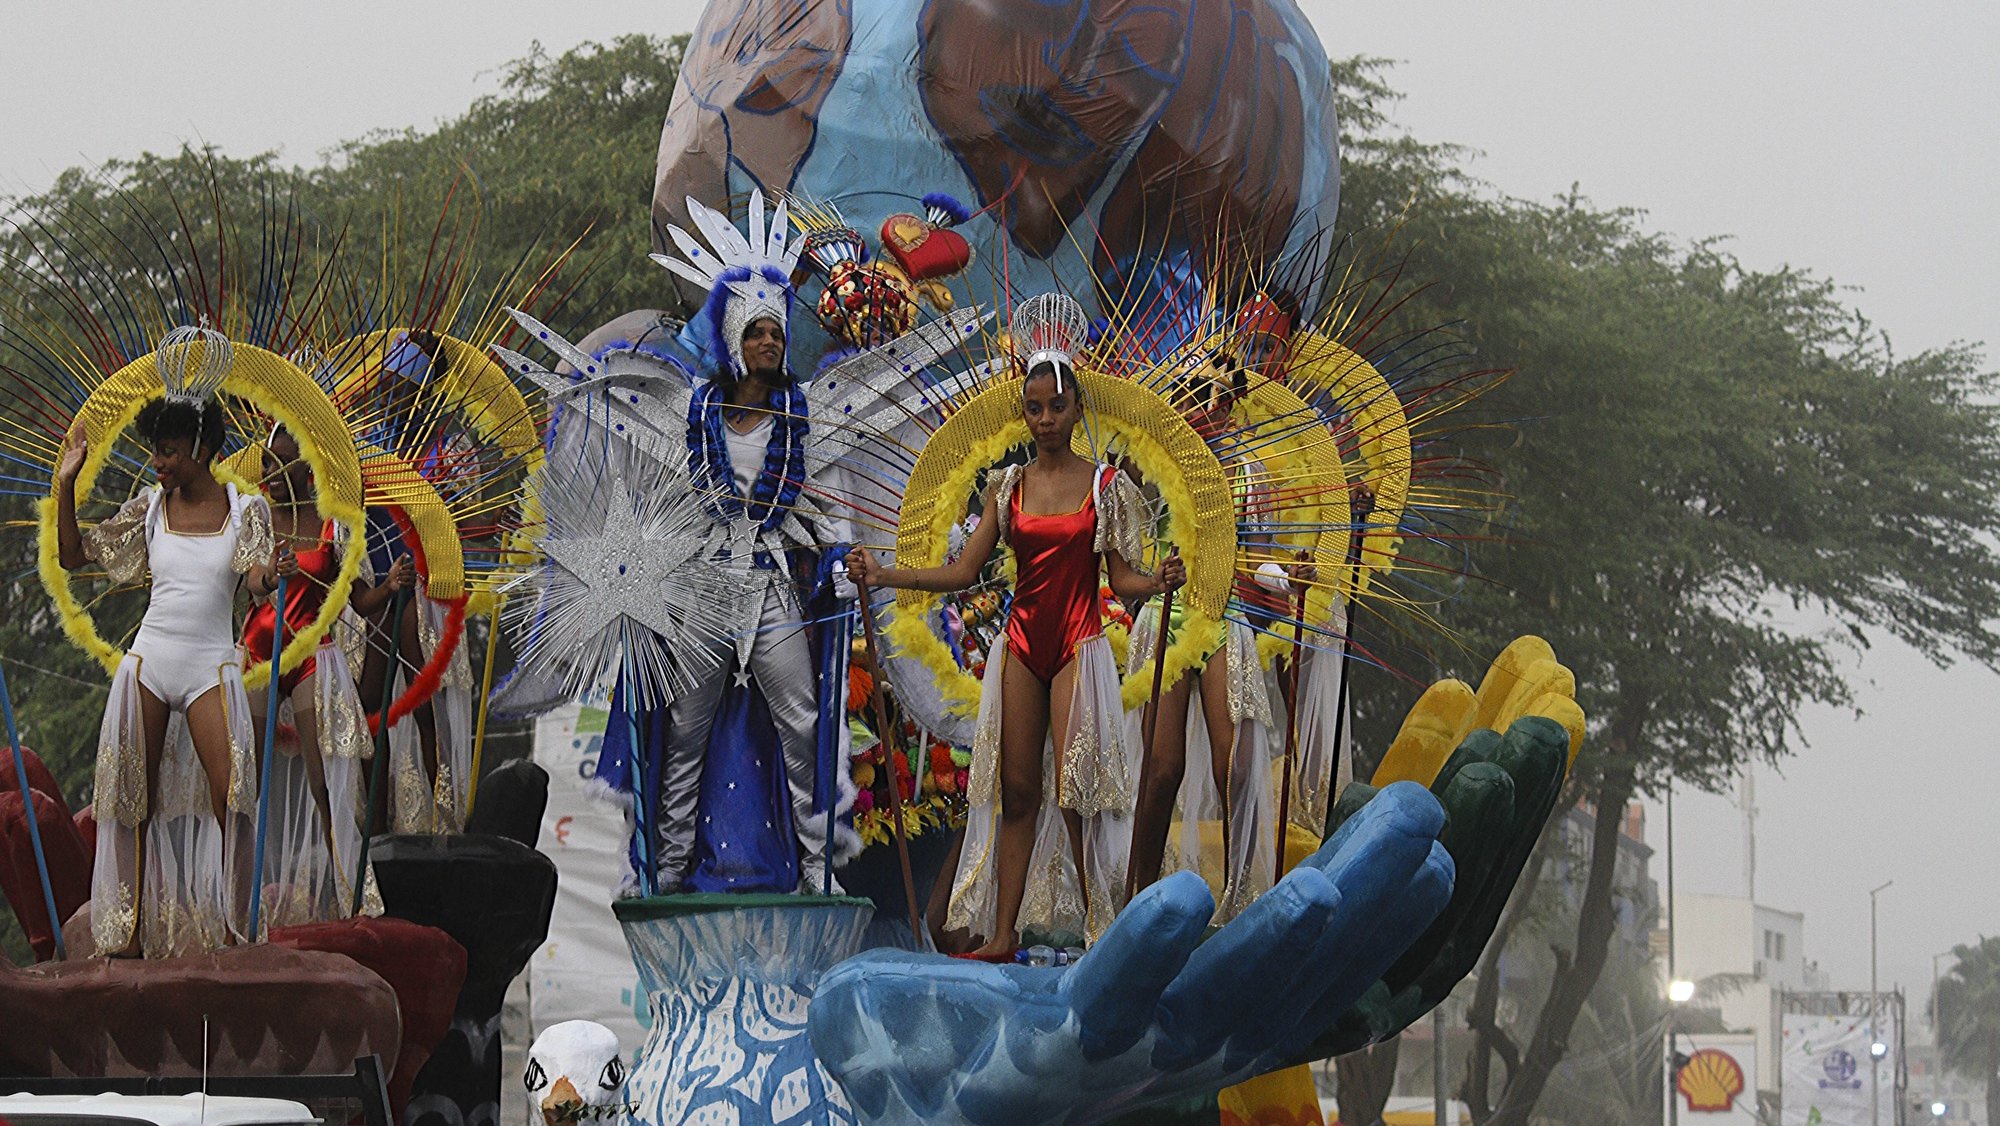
x: 188, y: 889
x: 1095, y: 778
x: 310, y: 862
x: 1242, y: 867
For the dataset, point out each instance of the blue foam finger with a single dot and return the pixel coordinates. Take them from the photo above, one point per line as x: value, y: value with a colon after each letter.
x: 1241, y: 967
x: 1115, y: 989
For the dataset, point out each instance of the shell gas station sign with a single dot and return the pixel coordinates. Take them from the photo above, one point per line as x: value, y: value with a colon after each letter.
x: 1717, y: 1081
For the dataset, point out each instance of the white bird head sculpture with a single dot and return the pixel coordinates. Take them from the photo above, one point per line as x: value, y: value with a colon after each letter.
x: 575, y: 1073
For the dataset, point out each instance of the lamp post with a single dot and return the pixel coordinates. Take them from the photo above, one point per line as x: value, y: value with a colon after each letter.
x: 1674, y: 984
x: 1874, y: 1009
x: 1937, y: 1034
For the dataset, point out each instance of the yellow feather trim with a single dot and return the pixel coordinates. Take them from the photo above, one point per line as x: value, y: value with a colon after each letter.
x: 1156, y: 438
x: 276, y: 386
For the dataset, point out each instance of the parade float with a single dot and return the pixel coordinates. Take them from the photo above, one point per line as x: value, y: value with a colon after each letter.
x: 905, y: 191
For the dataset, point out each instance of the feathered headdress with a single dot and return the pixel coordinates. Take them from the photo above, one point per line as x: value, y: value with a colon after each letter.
x: 746, y: 278
x: 1049, y: 326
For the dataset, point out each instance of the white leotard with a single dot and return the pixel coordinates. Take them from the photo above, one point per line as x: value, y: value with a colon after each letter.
x: 188, y: 634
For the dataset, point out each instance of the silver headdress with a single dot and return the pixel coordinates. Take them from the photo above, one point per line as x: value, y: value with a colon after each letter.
x: 1049, y: 327
x: 746, y: 278
x: 193, y: 363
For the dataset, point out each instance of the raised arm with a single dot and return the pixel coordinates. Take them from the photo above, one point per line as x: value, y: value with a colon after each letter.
x: 69, y: 538
x: 956, y: 575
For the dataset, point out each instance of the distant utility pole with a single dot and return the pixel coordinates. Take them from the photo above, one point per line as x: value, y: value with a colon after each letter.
x: 1874, y: 1009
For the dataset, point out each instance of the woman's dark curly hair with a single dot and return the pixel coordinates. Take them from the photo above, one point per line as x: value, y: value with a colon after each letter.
x: 165, y: 419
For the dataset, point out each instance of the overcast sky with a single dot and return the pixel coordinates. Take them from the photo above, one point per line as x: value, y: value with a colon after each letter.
x: 1855, y: 139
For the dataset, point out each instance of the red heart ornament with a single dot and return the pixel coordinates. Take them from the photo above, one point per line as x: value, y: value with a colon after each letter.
x: 922, y: 250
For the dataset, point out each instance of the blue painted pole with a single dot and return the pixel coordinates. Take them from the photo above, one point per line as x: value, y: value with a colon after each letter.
x: 643, y: 801
x: 28, y: 807
x: 270, y: 753
x: 832, y: 763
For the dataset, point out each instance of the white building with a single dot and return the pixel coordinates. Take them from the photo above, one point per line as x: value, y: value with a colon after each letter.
x: 1741, y: 955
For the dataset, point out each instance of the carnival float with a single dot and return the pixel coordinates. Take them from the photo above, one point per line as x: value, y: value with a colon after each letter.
x: 967, y: 555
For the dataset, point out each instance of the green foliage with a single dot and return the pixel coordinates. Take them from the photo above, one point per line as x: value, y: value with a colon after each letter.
x: 1706, y: 462
x: 564, y: 152
x: 1706, y: 456
x: 1968, y: 1016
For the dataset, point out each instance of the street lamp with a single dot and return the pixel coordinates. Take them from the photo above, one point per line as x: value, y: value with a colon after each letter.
x: 1937, y: 1037
x: 1938, y: 1108
x: 1876, y: 1048
x: 1674, y: 983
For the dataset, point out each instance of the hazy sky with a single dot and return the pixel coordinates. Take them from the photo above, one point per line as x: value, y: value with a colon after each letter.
x: 1855, y: 139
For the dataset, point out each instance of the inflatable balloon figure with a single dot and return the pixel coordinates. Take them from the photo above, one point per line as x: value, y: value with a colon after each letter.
x: 1092, y: 139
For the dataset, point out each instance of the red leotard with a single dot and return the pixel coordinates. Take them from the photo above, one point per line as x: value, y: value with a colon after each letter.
x: 1056, y: 598
x: 304, y: 595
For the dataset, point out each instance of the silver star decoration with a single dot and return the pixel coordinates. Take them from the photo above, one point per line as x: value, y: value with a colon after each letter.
x: 623, y: 567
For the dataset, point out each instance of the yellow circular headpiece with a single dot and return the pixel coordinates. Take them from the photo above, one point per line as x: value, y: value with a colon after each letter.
x: 1200, y: 515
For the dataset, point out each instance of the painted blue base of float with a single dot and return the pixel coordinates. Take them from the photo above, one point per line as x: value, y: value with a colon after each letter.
x: 729, y: 977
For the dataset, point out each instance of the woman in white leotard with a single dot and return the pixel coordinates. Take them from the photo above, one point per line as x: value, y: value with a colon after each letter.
x: 176, y: 773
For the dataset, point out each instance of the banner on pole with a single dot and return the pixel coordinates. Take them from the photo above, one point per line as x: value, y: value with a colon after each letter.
x: 1828, y: 1073
x: 584, y: 971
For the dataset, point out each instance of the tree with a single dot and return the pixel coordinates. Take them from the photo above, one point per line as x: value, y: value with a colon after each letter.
x: 563, y: 154
x: 1710, y: 448
x: 1968, y: 1017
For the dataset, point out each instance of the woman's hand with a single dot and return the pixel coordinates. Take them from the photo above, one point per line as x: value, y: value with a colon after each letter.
x: 1172, y: 574
x: 1362, y: 500
x: 402, y: 574
x: 286, y: 562
x: 1302, y: 571
x: 862, y: 568
x: 75, y: 448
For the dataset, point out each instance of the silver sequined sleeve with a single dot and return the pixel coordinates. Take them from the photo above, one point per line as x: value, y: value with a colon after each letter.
x: 119, y: 542
x: 1122, y: 520
x: 254, y: 540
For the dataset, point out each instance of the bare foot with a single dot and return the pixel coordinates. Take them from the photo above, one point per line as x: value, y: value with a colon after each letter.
x: 995, y: 950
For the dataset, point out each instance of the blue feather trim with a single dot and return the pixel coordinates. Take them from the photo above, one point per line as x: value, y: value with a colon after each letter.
x: 944, y: 209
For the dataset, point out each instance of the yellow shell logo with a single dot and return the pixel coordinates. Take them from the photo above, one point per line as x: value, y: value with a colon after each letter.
x: 1711, y: 1080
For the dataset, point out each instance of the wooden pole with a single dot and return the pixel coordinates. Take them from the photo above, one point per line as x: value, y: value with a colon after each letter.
x: 1153, y: 728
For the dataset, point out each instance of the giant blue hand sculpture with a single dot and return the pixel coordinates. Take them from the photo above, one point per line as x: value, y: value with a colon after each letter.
x: 1361, y: 939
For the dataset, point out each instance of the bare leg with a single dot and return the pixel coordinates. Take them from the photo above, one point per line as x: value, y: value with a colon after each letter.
x: 1221, y: 732
x: 1165, y: 725
x: 410, y: 654
x: 1025, y: 701
x: 305, y: 720
x: 940, y: 903
x: 208, y: 729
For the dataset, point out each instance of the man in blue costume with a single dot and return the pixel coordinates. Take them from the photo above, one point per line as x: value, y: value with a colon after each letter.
x: 721, y: 790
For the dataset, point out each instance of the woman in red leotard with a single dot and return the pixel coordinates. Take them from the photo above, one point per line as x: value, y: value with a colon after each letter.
x: 1052, y: 777
x: 317, y: 824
